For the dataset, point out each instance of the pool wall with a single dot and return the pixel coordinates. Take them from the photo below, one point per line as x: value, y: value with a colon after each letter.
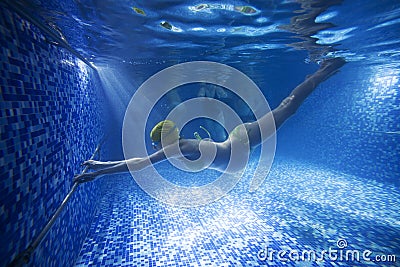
x: 350, y: 124
x: 51, y: 120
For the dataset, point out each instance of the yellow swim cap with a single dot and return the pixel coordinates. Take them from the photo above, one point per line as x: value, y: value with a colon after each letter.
x: 168, y: 130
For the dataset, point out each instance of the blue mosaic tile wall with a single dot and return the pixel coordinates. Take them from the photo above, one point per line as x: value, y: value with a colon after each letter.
x: 50, y: 121
x: 350, y: 124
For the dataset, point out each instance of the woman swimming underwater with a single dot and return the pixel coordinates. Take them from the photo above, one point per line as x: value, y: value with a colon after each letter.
x: 246, y: 135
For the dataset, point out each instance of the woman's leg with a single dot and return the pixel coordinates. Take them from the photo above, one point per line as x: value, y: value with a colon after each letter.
x: 291, y: 103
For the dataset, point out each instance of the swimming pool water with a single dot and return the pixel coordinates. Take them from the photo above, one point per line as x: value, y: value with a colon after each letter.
x: 335, y: 177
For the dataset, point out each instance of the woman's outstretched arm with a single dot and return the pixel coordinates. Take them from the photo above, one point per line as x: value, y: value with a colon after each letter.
x: 136, y: 164
x: 133, y: 164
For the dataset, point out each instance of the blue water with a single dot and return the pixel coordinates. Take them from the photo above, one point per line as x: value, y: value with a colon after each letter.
x: 335, y: 175
x: 109, y: 32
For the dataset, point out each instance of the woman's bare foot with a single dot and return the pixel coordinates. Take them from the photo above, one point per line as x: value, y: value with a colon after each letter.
x: 331, y: 66
x: 93, y: 164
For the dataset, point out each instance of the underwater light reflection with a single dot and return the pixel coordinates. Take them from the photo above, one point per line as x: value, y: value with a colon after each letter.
x: 117, y: 88
x: 83, y: 74
x: 383, y: 84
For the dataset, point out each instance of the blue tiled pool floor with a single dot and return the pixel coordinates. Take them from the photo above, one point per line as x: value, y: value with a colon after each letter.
x: 300, y: 207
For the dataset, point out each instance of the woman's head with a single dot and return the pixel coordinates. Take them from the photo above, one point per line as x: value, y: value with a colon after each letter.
x: 165, y: 130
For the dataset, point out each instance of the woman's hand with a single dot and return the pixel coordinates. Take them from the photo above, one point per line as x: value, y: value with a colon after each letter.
x: 93, y: 164
x: 85, y: 177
